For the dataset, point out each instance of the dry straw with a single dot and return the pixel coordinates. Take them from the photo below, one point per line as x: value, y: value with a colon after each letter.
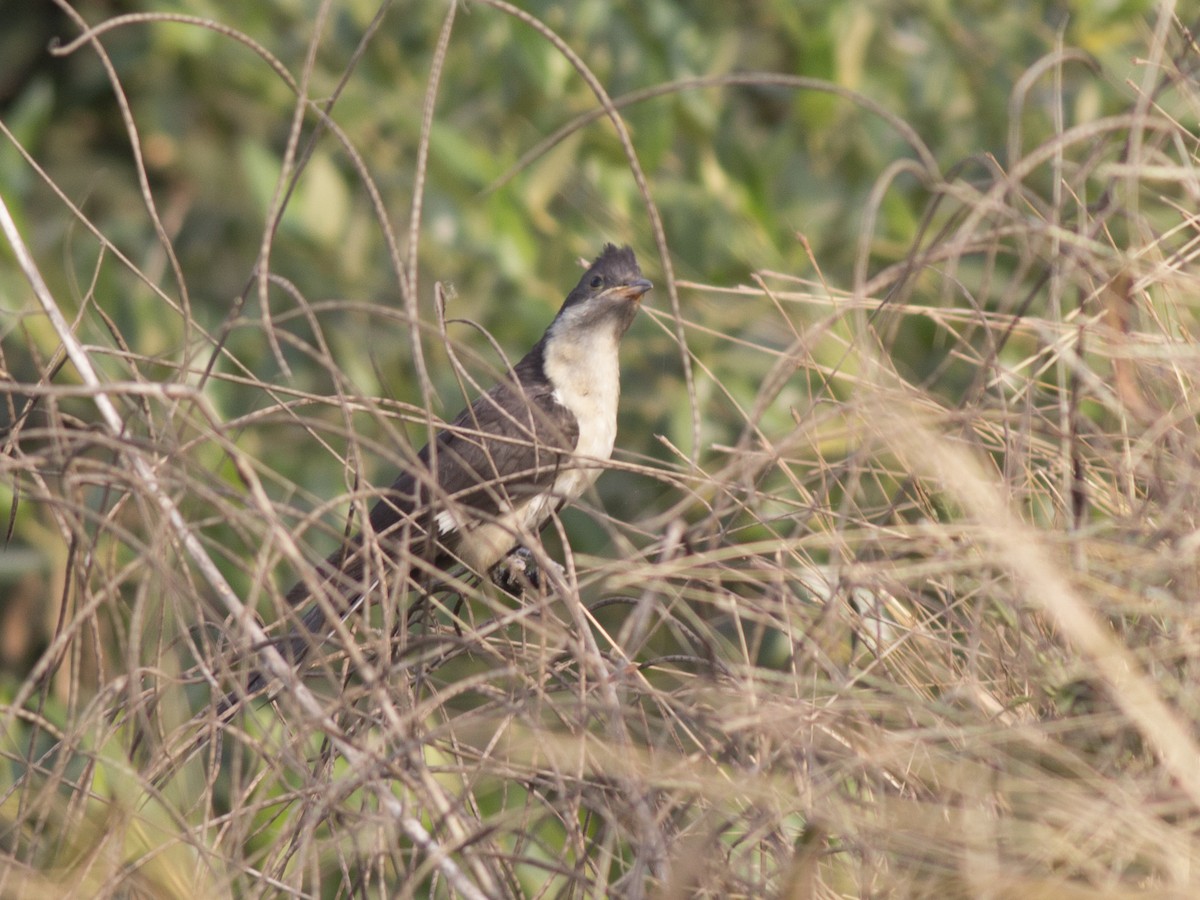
x: 891, y: 633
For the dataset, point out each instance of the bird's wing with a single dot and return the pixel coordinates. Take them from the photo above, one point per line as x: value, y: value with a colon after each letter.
x: 506, y: 447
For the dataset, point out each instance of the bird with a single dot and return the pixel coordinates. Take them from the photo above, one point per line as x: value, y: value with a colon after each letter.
x: 494, y: 476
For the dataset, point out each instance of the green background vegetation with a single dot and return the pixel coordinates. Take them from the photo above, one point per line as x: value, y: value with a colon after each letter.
x: 883, y: 336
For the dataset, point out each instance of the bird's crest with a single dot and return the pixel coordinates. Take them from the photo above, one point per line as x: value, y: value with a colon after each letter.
x: 617, y: 263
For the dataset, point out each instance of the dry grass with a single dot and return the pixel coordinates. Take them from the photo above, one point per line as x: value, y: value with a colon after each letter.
x: 891, y: 633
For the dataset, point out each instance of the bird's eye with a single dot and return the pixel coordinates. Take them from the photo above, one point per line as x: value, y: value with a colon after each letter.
x: 597, y: 281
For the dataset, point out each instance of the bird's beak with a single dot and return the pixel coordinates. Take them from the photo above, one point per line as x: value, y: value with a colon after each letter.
x: 634, y: 290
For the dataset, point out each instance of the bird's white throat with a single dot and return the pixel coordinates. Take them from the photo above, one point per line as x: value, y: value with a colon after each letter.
x: 582, y: 365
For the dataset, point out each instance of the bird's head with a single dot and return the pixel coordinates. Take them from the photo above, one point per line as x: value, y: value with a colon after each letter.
x: 607, y: 295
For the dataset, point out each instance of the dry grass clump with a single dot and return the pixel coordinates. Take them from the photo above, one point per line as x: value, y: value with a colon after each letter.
x: 892, y: 626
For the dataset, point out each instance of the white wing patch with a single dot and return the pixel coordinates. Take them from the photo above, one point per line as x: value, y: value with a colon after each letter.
x: 446, y: 522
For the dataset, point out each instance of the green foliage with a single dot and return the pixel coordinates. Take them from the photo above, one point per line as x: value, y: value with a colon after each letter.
x: 902, y: 532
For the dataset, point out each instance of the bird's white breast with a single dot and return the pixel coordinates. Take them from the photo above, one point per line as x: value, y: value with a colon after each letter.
x: 584, y: 371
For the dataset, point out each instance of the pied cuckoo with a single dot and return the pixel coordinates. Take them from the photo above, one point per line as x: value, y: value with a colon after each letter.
x: 505, y: 465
